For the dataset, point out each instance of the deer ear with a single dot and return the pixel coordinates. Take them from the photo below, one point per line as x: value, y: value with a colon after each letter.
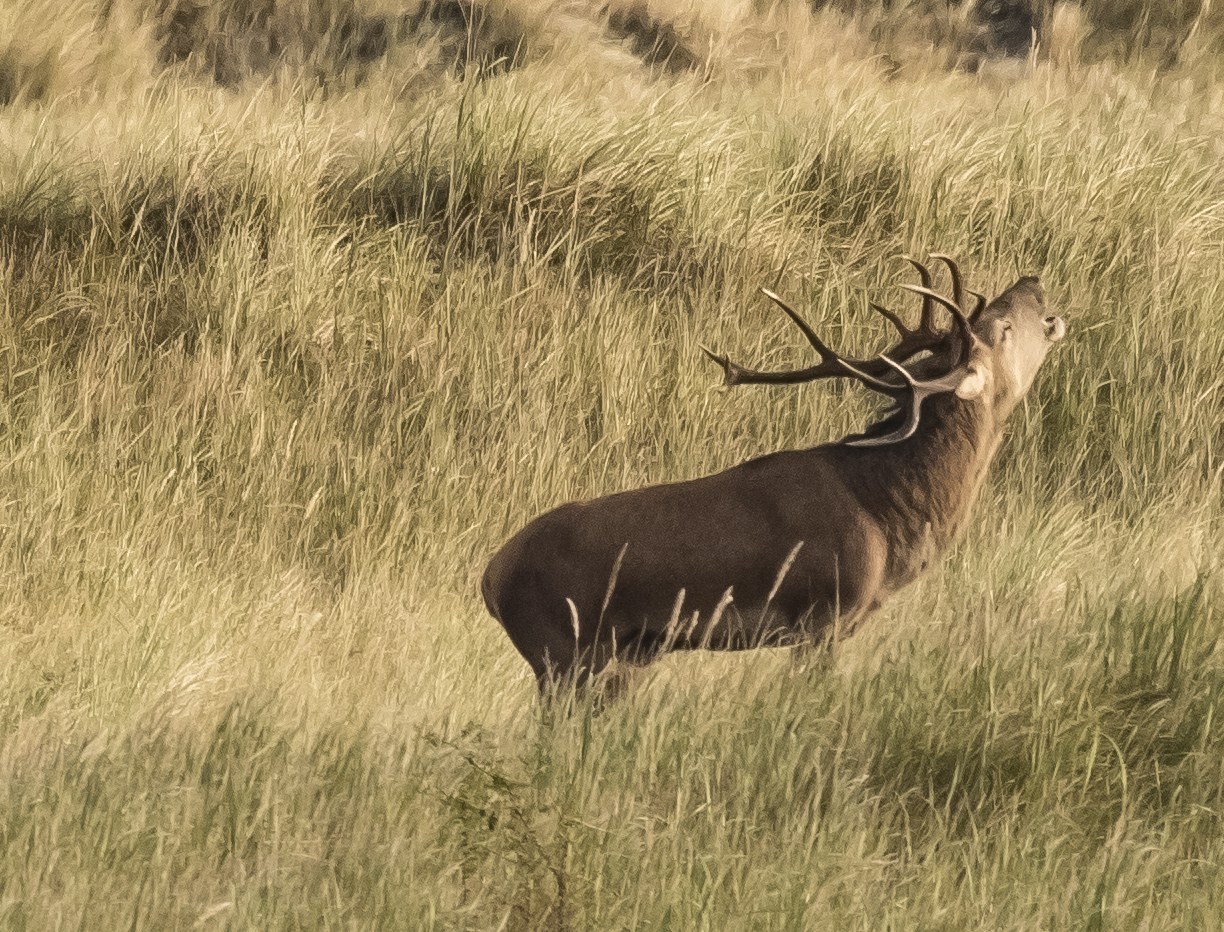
x: 973, y: 384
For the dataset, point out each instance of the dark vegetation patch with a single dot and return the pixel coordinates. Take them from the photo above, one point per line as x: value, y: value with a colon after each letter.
x: 331, y: 41
x: 961, y: 36
x: 658, y: 43
x: 336, y: 44
x: 1001, y: 29
x: 25, y: 73
x: 474, y: 34
x: 334, y: 40
x: 230, y: 42
x: 1156, y: 31
x: 969, y: 33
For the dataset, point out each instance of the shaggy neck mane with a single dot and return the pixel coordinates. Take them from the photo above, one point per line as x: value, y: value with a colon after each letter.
x: 922, y: 489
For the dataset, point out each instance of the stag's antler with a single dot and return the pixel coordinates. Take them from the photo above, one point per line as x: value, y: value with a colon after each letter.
x: 926, y: 336
x: 831, y: 363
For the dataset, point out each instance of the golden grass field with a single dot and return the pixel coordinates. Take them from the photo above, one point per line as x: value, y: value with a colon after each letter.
x: 308, y: 306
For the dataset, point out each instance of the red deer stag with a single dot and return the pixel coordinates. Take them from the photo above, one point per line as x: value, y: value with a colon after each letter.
x: 795, y: 545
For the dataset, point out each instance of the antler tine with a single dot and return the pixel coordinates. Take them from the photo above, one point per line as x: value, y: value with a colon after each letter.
x: 734, y: 374
x: 831, y: 364
x: 958, y: 284
x: 893, y: 319
x: 926, y: 323
x: 832, y: 359
x: 910, y: 424
x: 962, y: 322
x: 826, y: 354
x: 914, y: 339
x: 981, y: 305
x: 908, y: 392
x: 919, y: 392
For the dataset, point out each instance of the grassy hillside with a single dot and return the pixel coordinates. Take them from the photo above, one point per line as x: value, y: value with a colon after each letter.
x: 308, y: 306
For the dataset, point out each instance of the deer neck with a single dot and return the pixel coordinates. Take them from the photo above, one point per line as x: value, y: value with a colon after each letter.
x: 922, y: 490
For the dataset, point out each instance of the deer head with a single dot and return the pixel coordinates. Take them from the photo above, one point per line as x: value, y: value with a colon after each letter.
x: 991, y: 353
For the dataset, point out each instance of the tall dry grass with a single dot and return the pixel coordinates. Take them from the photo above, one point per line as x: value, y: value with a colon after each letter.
x: 286, y: 352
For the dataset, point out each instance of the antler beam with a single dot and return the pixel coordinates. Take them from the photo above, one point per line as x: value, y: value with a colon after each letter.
x: 871, y: 372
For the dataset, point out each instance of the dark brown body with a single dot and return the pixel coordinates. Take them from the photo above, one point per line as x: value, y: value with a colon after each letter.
x: 787, y: 548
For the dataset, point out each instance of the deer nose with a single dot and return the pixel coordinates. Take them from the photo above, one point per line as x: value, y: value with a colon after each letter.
x: 1055, y: 328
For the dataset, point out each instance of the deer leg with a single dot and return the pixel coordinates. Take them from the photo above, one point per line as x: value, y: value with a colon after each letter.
x: 569, y: 656
x: 612, y: 663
